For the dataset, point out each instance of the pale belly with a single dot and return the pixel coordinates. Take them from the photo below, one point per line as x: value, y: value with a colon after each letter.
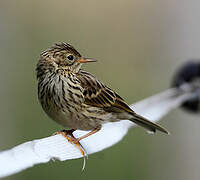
x: 81, y: 120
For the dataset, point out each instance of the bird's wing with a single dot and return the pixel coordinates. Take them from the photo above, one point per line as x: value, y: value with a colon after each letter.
x: 98, y: 95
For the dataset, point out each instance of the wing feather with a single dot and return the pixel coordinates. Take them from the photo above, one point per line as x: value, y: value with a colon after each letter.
x: 98, y: 95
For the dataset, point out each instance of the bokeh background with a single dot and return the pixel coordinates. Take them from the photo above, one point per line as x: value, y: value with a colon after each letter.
x: 139, y: 45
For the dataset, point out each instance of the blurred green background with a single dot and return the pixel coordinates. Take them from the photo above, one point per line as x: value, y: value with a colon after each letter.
x: 138, y: 43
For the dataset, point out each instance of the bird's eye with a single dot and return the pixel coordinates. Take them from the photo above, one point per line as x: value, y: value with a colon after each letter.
x: 70, y: 57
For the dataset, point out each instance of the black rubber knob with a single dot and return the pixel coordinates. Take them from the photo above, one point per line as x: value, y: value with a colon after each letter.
x: 188, y: 73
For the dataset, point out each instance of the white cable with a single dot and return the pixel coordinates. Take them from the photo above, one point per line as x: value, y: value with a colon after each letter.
x: 43, y: 150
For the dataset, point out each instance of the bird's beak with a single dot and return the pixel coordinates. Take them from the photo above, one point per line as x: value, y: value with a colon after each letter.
x: 86, y: 60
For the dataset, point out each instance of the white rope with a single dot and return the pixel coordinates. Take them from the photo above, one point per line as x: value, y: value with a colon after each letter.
x: 43, y: 150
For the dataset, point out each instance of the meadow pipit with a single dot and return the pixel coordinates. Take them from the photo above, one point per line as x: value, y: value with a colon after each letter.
x: 75, y: 98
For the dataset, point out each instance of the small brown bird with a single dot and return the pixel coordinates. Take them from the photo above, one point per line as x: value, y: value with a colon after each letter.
x: 75, y: 98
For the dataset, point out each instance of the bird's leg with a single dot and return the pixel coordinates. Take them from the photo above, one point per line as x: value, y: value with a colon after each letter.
x: 68, y: 134
x: 88, y: 134
x: 72, y: 139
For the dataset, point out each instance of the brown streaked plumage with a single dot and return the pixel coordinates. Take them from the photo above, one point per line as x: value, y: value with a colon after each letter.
x: 77, y: 99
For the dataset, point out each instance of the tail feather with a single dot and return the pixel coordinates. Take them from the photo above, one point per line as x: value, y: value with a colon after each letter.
x: 148, y: 125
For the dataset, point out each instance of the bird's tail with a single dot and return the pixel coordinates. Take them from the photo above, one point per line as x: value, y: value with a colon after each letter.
x: 148, y: 125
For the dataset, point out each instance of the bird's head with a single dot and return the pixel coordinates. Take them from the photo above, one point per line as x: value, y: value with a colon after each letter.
x: 63, y: 56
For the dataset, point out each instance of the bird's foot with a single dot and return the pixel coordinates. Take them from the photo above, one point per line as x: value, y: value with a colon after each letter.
x: 68, y: 134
